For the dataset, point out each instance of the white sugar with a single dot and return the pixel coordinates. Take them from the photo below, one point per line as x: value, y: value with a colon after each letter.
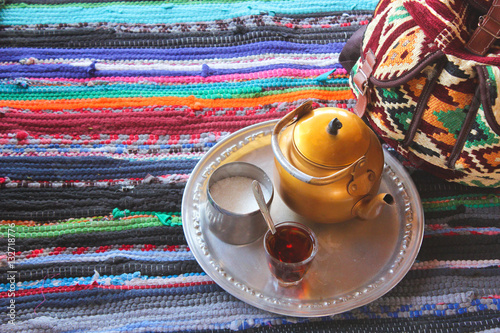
x: 235, y: 194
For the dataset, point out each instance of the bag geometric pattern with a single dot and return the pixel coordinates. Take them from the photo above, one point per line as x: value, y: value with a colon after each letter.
x: 419, y: 45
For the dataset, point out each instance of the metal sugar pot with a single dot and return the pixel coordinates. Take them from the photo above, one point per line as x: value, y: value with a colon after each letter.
x: 328, y: 165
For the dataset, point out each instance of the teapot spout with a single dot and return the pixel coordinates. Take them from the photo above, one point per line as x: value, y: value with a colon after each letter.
x: 370, y: 207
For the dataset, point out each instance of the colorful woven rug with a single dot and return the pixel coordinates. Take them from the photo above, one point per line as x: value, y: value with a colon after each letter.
x: 105, y: 109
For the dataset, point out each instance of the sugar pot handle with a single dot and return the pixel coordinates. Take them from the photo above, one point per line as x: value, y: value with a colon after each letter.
x: 295, y: 115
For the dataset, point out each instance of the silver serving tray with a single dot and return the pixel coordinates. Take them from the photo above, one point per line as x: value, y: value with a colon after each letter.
x: 357, y: 262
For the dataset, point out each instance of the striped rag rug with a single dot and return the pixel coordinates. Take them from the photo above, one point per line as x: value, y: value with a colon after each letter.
x: 105, y: 109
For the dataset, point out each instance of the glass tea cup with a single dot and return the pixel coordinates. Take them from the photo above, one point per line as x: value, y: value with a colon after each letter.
x: 290, y: 252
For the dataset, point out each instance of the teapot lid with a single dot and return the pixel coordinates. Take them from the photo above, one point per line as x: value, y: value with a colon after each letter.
x: 331, y: 137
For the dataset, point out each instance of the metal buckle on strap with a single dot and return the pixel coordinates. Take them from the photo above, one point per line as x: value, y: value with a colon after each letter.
x: 361, y: 83
x: 364, y: 82
x: 487, y: 32
x: 483, y: 27
x: 364, y: 72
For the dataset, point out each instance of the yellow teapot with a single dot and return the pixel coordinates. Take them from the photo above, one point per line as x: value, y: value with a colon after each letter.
x: 328, y: 165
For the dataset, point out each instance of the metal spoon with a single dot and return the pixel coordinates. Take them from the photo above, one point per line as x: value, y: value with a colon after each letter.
x: 259, y: 196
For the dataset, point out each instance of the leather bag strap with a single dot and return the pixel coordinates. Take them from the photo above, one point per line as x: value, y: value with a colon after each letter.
x: 487, y: 32
x: 361, y: 82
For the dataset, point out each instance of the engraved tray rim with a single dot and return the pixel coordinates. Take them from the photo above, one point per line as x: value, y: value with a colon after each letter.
x: 193, y: 217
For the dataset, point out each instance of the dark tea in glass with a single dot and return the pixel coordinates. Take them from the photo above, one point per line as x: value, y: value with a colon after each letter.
x: 290, y: 251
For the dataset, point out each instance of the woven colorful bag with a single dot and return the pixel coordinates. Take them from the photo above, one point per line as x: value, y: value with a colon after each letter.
x: 428, y: 82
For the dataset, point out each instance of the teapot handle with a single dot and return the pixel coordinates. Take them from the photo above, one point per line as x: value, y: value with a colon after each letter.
x: 295, y: 115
